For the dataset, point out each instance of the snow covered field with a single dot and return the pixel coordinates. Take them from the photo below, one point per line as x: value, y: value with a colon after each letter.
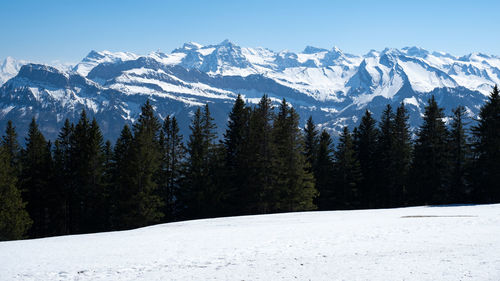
x: 419, y: 243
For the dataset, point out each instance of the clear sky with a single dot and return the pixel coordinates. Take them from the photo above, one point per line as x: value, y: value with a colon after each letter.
x: 66, y: 30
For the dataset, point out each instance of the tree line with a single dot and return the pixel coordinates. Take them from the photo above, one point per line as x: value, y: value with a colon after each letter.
x: 264, y: 163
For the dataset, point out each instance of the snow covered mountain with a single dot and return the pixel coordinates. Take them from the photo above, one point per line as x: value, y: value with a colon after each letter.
x: 419, y: 243
x: 9, y: 68
x: 333, y: 86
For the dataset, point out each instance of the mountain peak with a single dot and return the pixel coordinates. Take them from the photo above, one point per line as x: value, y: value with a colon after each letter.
x: 227, y: 43
x: 443, y: 54
x: 192, y: 46
x: 40, y: 67
x: 475, y: 57
x: 8, y: 63
x: 391, y: 51
x: 372, y: 53
x: 93, y: 54
x: 95, y: 58
x: 44, y: 74
x: 313, y: 50
x: 188, y: 47
x: 415, y: 51
x: 9, y: 59
x: 336, y: 49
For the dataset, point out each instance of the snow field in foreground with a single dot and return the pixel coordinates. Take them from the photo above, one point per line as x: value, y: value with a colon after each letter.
x: 418, y: 243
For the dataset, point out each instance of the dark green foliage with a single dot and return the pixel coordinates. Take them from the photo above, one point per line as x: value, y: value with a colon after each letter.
x: 121, y: 196
x: 311, y: 142
x: 293, y: 189
x: 35, y: 180
x: 171, y: 166
x: 86, y: 169
x: 365, y: 143
x: 261, y: 174
x: 87, y: 166
x: 459, y: 157
x: 108, y: 153
x: 323, y: 173
x: 14, y: 219
x: 385, y: 165
x: 393, y: 155
x: 143, y: 203
x: 193, y: 192
x: 486, y: 148
x: 63, y: 180
x: 348, y: 176
x: 401, y: 149
x: 217, y: 189
x: 201, y: 196
x: 431, y: 159
x: 237, y: 150
x: 11, y: 145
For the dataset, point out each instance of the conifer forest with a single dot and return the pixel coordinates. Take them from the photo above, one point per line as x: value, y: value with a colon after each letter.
x: 264, y: 163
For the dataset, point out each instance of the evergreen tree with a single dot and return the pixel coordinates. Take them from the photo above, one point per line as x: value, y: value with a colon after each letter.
x: 87, y: 172
x: 96, y: 215
x: 348, y: 176
x: 177, y: 165
x: 218, y: 194
x: 78, y: 170
x: 172, y: 163
x: 108, y: 186
x: 35, y: 180
x: 14, y: 219
x: 400, y: 158
x: 193, y: 191
x: 236, y: 148
x: 144, y: 203
x: 108, y: 164
x: 294, y: 188
x: 59, y: 206
x: 459, y: 156
x: 208, y: 131
x: 121, y: 196
x: 385, y: 165
x: 486, y: 147
x: 201, y: 195
x: 431, y: 163
x: 260, y: 159
x: 366, y: 148
x: 311, y: 142
x: 10, y: 143
x: 108, y: 153
x: 323, y: 172
x: 215, y: 193
x: 63, y: 180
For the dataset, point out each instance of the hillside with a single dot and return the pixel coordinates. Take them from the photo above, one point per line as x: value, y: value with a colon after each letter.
x: 418, y: 243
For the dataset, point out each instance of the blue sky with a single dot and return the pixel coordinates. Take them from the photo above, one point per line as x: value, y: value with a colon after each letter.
x: 67, y: 30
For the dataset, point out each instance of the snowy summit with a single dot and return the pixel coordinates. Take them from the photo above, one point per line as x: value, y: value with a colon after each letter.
x: 331, y: 85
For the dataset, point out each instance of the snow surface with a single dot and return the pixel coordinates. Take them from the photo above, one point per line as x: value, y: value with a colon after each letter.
x: 419, y: 243
x: 95, y: 58
x: 422, y: 80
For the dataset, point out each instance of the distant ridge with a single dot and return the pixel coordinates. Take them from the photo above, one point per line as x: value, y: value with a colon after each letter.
x: 333, y: 86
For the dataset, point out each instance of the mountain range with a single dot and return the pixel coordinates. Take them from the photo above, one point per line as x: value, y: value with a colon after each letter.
x: 332, y: 86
